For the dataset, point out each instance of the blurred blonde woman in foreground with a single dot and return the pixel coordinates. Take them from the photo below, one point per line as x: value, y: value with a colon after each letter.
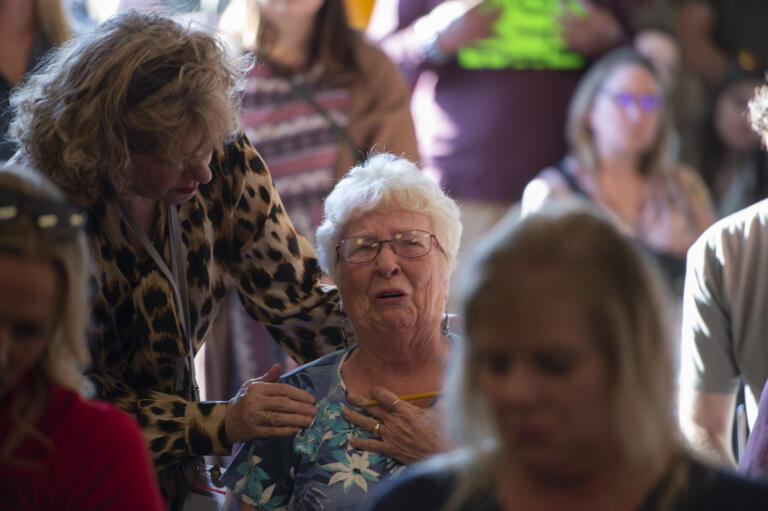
x: 564, y: 384
x: 57, y: 450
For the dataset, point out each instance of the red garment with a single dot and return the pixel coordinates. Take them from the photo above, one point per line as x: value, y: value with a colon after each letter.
x: 99, y: 460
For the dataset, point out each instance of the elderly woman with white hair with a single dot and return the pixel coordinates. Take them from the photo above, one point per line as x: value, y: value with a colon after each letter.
x: 389, y: 241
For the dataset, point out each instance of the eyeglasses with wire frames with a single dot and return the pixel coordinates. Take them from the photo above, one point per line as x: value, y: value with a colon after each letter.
x: 57, y: 219
x: 412, y: 243
x: 646, y: 102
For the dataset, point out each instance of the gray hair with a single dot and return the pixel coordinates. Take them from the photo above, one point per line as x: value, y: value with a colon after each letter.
x: 386, y: 180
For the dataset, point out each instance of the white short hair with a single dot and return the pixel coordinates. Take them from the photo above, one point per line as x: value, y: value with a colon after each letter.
x: 384, y: 180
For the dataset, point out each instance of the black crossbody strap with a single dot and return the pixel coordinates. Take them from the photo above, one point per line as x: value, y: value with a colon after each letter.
x: 572, y: 183
x: 307, y: 96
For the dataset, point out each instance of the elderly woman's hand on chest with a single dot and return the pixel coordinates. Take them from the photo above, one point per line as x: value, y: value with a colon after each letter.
x: 406, y: 432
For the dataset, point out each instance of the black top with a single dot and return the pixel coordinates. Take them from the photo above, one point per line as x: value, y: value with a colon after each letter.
x: 427, y: 486
x: 670, y: 265
x: 739, y: 27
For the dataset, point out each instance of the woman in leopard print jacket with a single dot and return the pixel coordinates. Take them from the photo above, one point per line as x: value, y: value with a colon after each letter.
x: 131, y: 122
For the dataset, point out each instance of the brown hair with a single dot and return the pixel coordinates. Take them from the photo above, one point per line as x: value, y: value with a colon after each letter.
x: 54, y: 21
x: 137, y: 84
x: 332, y: 43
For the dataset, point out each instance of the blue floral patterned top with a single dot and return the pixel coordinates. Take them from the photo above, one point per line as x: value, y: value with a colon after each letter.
x: 316, y: 469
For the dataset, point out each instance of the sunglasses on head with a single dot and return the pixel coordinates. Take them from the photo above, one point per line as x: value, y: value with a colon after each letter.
x: 51, y: 217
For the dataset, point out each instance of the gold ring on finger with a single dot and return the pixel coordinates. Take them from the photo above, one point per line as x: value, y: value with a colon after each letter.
x: 376, y: 430
x: 267, y: 420
x: 392, y: 406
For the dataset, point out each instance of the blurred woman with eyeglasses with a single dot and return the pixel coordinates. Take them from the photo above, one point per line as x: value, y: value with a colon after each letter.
x: 57, y: 450
x: 621, y: 157
x: 389, y: 240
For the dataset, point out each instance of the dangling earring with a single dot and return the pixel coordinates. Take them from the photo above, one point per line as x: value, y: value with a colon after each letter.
x: 347, y: 333
x: 445, y: 327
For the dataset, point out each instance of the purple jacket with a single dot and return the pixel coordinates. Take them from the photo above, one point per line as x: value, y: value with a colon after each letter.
x: 755, y: 459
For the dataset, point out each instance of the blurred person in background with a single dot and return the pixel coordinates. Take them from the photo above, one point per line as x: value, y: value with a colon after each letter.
x: 684, y: 94
x: 732, y: 162
x: 57, y: 449
x: 28, y: 29
x: 319, y: 100
x: 562, y: 393
x: 619, y: 132
x: 137, y: 122
x: 717, y: 35
x: 661, y: 48
x: 389, y: 239
x: 491, y: 83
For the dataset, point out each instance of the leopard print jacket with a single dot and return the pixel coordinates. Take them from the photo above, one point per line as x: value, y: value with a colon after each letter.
x: 234, y: 231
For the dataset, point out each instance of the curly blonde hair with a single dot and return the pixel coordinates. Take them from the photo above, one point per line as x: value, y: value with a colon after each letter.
x: 137, y: 84
x: 758, y: 111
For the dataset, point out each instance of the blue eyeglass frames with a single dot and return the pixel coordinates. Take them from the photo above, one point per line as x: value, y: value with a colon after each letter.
x: 646, y: 102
